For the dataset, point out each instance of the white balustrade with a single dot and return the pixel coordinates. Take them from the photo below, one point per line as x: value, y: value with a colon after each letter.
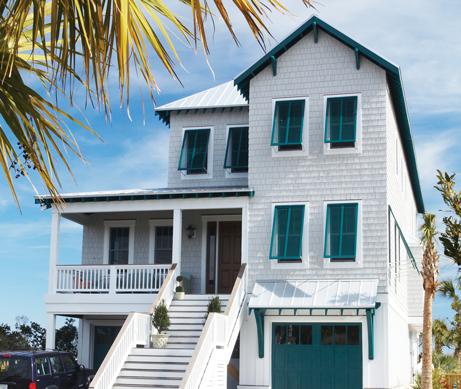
x: 110, y: 278
x: 220, y: 331
x: 135, y: 331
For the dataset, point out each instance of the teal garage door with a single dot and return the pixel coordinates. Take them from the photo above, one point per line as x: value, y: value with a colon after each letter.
x: 316, y: 356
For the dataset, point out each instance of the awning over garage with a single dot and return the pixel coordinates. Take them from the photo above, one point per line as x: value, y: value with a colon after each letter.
x: 342, y: 297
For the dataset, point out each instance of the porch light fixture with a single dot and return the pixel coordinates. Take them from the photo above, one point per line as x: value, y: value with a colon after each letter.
x: 191, y: 231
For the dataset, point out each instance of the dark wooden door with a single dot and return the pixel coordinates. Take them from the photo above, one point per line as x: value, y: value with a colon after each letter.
x: 229, y: 254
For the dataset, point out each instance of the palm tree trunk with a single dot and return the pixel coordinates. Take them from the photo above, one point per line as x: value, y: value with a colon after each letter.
x: 426, y: 374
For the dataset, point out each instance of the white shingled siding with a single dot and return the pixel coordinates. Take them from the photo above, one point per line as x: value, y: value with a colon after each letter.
x: 401, y: 199
x: 219, y: 120
x: 314, y: 71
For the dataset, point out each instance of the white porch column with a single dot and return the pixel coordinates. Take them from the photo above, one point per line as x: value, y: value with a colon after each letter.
x: 51, y: 331
x: 177, y: 238
x: 54, y: 251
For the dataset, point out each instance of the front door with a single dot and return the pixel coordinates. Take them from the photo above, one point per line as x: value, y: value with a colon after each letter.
x: 229, y: 254
x: 224, y: 255
x: 316, y: 356
x: 104, y: 336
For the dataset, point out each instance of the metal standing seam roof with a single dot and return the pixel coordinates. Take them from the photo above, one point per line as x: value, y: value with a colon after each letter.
x: 149, y: 194
x: 299, y: 294
x: 221, y: 96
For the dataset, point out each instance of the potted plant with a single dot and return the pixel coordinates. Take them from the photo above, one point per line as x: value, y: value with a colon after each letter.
x: 161, y: 322
x: 214, y: 306
x: 180, y: 293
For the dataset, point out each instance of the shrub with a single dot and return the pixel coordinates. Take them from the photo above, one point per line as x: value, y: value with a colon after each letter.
x: 179, y: 289
x: 161, y: 319
x: 214, y: 305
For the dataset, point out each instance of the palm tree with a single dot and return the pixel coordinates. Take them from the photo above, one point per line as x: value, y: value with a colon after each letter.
x: 441, y: 334
x: 448, y: 289
x: 430, y: 269
x: 64, y: 43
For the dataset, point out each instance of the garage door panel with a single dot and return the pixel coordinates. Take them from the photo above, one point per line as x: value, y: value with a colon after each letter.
x: 329, y: 357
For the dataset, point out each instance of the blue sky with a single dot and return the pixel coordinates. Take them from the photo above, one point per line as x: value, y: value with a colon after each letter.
x: 422, y: 36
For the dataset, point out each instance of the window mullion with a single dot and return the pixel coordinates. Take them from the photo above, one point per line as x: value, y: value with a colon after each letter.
x: 341, y: 232
x: 286, y: 232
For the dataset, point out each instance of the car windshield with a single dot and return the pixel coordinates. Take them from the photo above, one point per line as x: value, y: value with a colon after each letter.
x: 12, y: 367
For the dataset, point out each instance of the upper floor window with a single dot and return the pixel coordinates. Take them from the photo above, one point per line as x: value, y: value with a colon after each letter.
x: 118, y: 242
x: 287, y: 128
x: 194, y: 151
x: 287, y: 233
x: 236, y: 159
x: 341, y: 122
x: 341, y: 232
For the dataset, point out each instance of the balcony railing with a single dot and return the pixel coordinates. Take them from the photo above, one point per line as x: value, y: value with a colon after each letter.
x: 110, y: 279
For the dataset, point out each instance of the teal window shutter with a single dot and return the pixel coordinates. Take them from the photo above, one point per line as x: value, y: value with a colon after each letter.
x: 341, y: 120
x: 287, y: 233
x: 341, y: 231
x: 287, y: 128
x: 236, y: 158
x: 194, y: 151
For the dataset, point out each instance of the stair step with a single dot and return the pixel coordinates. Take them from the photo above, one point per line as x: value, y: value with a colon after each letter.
x: 159, y: 358
x: 159, y: 352
x: 188, y: 308
x: 147, y: 381
x: 188, y: 320
x: 186, y: 327
x: 182, y: 346
x: 183, y: 339
x: 147, y: 366
x: 183, y: 333
x: 151, y: 374
x: 206, y: 297
x: 187, y: 314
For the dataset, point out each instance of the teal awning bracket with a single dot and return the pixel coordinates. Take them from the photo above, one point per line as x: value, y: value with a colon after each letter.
x: 357, y: 58
x: 259, y: 317
x: 274, y: 65
x: 316, y: 32
x: 371, y: 330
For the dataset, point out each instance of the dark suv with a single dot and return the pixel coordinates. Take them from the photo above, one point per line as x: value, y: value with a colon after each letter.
x: 42, y: 370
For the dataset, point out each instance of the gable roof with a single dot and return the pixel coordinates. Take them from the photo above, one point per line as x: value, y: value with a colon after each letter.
x: 394, y: 79
x: 221, y: 96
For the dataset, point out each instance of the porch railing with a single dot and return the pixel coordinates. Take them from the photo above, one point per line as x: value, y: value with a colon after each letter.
x: 110, y: 279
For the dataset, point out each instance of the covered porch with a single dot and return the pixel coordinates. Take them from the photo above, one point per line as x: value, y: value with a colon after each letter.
x: 129, y: 246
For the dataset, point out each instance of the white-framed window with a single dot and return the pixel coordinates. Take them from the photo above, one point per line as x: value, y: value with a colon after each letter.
x: 236, y: 156
x: 289, y: 236
x: 160, y: 241
x: 196, y: 153
x: 342, y: 123
x: 119, y: 242
x: 342, y: 236
x: 290, y: 127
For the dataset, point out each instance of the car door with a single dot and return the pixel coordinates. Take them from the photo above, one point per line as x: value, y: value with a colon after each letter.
x: 43, y: 375
x: 74, y: 375
x: 59, y: 375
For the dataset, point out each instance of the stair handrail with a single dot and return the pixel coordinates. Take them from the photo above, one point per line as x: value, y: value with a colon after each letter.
x: 132, y: 333
x: 166, y: 292
x: 135, y: 331
x: 219, y: 331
